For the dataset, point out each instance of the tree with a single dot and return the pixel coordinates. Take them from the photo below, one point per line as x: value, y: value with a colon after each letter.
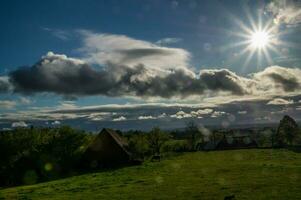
x: 46, y: 153
x: 287, y: 132
x: 156, y: 138
x: 194, y: 134
x: 138, y: 144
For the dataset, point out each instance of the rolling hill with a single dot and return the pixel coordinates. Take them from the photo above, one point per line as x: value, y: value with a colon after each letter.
x: 247, y: 174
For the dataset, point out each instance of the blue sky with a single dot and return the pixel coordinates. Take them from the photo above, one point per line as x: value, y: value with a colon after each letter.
x: 25, y: 26
x: 188, y: 36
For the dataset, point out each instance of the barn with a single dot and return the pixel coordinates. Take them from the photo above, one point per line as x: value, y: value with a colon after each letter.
x: 106, y: 150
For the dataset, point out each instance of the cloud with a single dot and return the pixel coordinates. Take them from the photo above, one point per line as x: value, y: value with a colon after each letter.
x: 242, y: 112
x: 194, y: 113
x: 128, y: 67
x: 225, y: 80
x: 201, y: 112
x: 55, y: 123
x: 5, y: 104
x: 279, y: 101
x: 123, y: 50
x: 181, y: 115
x: 145, y: 117
x: 121, y: 118
x: 285, y: 11
x: 165, y: 41
x: 56, y: 73
x: 218, y: 114
x: 67, y: 105
x: 163, y: 115
x: 5, y: 85
x: 19, y: 124
x: 276, y: 77
x: 68, y: 76
x: 93, y: 116
x: 61, y: 34
x: 25, y: 101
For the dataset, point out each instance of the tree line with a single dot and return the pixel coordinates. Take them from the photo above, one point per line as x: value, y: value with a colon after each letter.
x: 30, y: 155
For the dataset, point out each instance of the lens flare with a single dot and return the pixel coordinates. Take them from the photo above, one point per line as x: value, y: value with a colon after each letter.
x: 260, y: 39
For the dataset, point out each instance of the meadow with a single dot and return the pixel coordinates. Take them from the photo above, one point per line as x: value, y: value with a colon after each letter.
x: 247, y: 174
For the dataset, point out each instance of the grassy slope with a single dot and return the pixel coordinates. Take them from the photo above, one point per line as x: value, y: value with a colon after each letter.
x: 249, y: 174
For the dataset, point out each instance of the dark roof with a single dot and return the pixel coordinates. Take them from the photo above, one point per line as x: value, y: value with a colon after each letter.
x: 119, y: 140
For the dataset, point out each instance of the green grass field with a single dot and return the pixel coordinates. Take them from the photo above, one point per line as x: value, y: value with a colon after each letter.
x: 248, y: 174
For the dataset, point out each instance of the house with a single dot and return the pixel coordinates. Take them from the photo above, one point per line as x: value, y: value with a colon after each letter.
x: 231, y: 141
x: 106, y: 150
x: 236, y: 142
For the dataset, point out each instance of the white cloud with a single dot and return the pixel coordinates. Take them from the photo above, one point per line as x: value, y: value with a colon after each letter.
x: 218, y: 114
x: 163, y: 115
x: 19, y: 124
x: 121, y: 118
x: 165, y: 41
x: 123, y: 50
x: 5, y: 85
x: 67, y: 105
x: 196, y: 114
x: 285, y: 11
x: 56, y: 122
x: 279, y: 101
x: 25, y: 101
x: 61, y: 34
x: 242, y: 112
x: 6, y: 104
x: 201, y: 112
x: 181, y: 115
x: 276, y: 80
x: 97, y: 116
x: 145, y: 117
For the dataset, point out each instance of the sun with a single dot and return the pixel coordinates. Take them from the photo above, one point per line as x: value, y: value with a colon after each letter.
x: 259, y: 42
x: 260, y: 39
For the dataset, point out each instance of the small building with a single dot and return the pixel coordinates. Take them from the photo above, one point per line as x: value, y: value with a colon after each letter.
x: 208, y: 146
x: 236, y: 142
x: 106, y: 150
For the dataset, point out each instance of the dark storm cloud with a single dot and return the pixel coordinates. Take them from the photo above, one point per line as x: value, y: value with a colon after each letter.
x: 225, y: 80
x: 72, y: 77
x: 66, y: 76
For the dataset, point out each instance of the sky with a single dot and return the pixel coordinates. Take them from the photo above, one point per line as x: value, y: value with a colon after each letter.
x: 138, y: 64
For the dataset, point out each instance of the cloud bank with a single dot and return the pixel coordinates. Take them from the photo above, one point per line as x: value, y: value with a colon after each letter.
x: 62, y: 75
x: 120, y: 66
